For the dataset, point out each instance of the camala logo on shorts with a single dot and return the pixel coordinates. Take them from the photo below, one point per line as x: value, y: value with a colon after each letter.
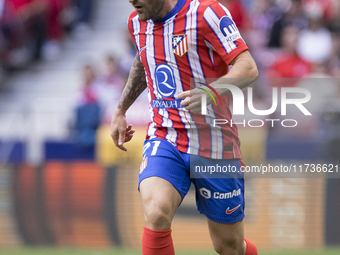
x: 205, y: 193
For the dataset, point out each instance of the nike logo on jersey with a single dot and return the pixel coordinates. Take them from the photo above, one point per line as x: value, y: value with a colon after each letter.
x: 232, y: 210
x: 140, y: 51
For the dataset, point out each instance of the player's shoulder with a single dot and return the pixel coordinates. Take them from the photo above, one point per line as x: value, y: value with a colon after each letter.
x: 130, y: 21
x: 205, y: 4
x: 212, y: 8
x: 132, y: 15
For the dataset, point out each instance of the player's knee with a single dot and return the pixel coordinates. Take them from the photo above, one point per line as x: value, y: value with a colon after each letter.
x: 158, y: 216
x: 230, y: 246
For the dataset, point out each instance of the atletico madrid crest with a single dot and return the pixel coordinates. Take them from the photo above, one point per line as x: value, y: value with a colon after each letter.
x: 180, y: 44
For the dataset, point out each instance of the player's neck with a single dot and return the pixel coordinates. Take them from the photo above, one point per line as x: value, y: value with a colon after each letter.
x: 167, y: 7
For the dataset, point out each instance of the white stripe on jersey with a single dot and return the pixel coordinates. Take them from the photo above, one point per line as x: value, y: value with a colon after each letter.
x: 170, y: 55
x: 183, y: 113
x: 229, y: 15
x: 150, y: 59
x: 211, y: 53
x: 185, y: 44
x: 238, y: 148
x: 231, y: 137
x: 171, y: 60
x: 191, y: 31
x: 193, y: 145
x: 171, y: 132
x: 213, y: 21
x: 198, y: 75
x: 136, y: 30
x: 151, y: 130
x: 238, y: 144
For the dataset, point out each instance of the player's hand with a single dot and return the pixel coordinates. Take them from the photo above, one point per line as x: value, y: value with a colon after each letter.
x: 120, y: 131
x: 193, y: 100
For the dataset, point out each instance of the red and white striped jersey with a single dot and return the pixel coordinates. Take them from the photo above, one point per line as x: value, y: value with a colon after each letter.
x: 196, y: 41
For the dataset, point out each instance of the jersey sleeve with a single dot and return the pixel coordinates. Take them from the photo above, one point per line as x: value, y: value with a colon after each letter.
x: 221, y: 34
x: 130, y: 22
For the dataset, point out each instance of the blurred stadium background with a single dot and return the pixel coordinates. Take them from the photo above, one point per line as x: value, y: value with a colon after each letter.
x: 63, y: 64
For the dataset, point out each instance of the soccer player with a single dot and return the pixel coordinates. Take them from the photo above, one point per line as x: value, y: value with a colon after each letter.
x: 182, y: 43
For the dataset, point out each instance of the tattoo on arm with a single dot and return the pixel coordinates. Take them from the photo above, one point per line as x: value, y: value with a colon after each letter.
x: 135, y: 85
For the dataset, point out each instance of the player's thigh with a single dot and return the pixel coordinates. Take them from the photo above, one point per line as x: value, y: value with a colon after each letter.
x: 162, y: 159
x: 227, y: 236
x: 159, y: 195
x: 163, y: 182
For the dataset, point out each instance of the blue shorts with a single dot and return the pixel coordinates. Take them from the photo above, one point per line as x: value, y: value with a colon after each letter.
x: 219, y: 199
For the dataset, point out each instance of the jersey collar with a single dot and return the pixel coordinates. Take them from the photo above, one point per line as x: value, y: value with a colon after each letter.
x: 174, y: 11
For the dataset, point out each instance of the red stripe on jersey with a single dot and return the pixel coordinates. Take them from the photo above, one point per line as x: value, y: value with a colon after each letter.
x: 221, y: 59
x: 143, y: 53
x: 213, y: 73
x: 182, y: 140
x: 207, y: 61
x: 142, y: 42
x: 219, y: 68
x: 161, y: 132
x: 215, y: 41
x: 130, y: 25
x: 182, y: 62
x: 237, y: 142
x: 241, y: 46
x: 218, y: 10
x: 203, y: 128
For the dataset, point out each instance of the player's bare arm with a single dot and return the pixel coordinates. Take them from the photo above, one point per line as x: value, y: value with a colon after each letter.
x: 136, y: 84
x: 243, y: 73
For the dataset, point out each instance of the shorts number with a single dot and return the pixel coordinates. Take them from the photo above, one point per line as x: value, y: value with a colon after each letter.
x: 154, y: 149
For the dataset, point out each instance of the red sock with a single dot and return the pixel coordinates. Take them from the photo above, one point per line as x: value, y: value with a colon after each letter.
x: 156, y: 242
x: 251, y: 248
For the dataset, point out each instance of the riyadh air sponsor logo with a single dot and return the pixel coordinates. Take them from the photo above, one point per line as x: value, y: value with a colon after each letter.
x: 219, y: 195
x: 167, y: 104
x: 229, y: 29
x: 165, y: 80
x: 229, y: 211
x: 205, y: 193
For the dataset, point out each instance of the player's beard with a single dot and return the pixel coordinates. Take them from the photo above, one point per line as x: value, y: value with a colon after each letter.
x: 151, y: 10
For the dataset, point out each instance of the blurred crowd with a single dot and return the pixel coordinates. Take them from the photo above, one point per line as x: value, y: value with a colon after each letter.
x: 287, y: 38
x: 291, y: 38
x: 98, y: 98
x: 31, y: 30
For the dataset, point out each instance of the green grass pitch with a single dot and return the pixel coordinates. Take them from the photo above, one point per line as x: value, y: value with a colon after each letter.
x: 78, y: 251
